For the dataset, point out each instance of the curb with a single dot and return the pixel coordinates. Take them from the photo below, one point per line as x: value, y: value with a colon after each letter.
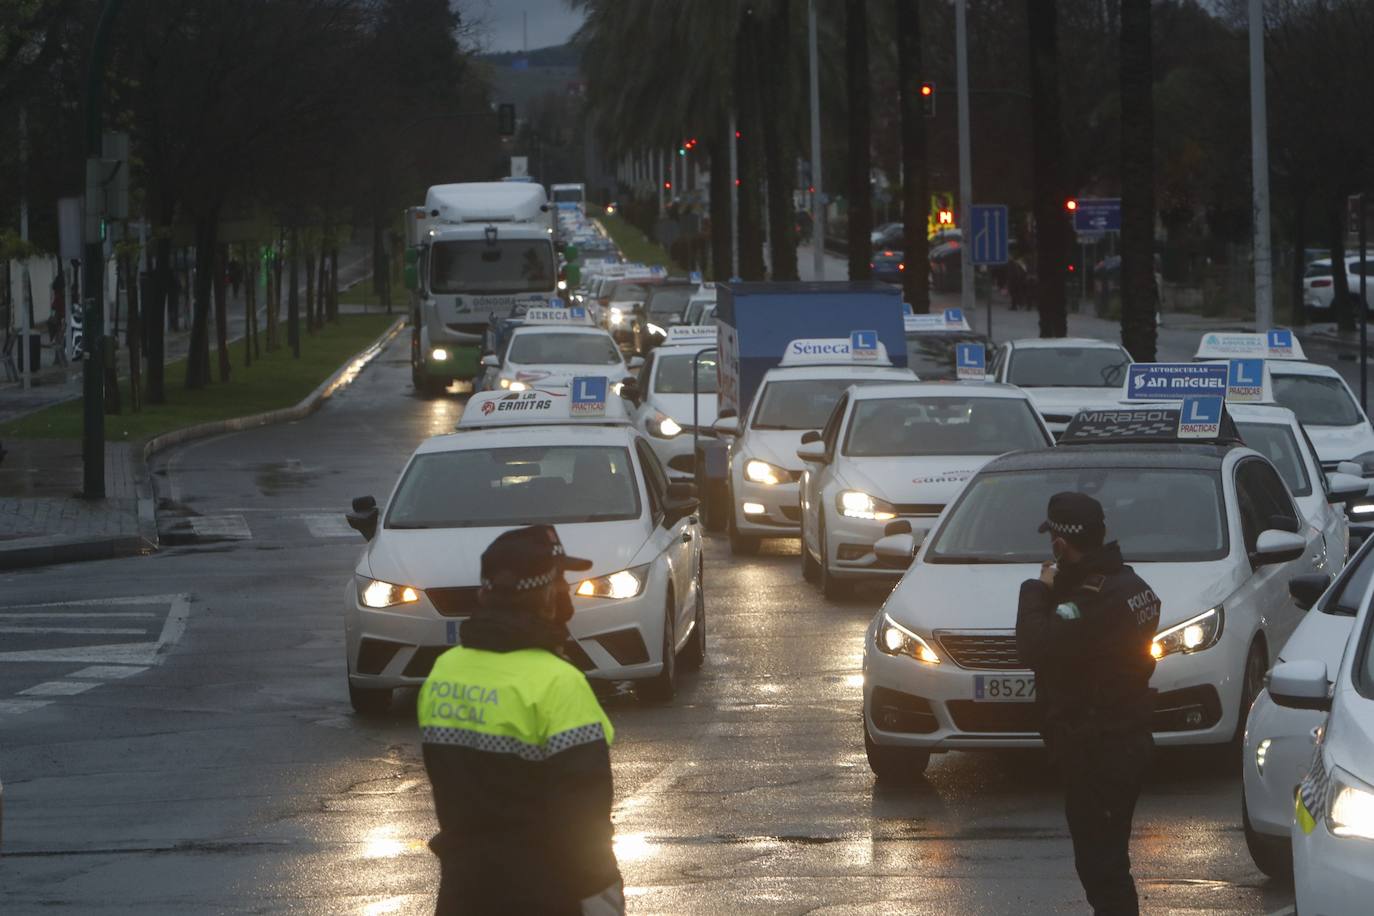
x: 56, y: 549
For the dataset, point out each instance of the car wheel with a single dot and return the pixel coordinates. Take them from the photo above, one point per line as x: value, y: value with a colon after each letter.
x: 1252, y: 681
x: 662, y: 686
x: 811, y: 570
x: 741, y: 545
x: 369, y: 701
x: 831, y: 587
x: 694, y: 653
x: 1273, y: 855
x: 896, y: 765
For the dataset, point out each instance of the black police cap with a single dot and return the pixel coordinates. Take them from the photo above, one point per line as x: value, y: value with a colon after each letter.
x: 523, y: 559
x: 1076, y: 516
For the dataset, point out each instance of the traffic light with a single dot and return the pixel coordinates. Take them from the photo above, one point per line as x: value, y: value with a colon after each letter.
x: 667, y: 185
x: 1071, y: 205
x: 928, y: 99
x: 682, y: 150
x: 505, y: 119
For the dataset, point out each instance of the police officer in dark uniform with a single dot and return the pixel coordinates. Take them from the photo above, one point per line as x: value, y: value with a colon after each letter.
x: 1085, y: 627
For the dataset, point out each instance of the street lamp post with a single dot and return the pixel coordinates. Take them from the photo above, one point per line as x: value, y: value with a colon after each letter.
x: 1259, y: 147
x: 817, y: 192
x: 965, y: 160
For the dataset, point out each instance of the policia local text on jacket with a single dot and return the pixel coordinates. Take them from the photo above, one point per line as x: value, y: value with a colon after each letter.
x: 1087, y: 637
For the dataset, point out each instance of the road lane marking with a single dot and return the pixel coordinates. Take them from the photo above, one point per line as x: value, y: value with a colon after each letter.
x: 669, y: 775
x: 107, y: 672
x: 16, y: 707
x: 233, y: 527
x: 79, y: 631
x: 58, y: 689
x: 328, y: 526
x: 104, y: 602
x: 81, y: 615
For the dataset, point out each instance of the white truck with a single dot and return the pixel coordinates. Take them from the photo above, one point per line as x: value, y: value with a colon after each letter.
x: 474, y: 250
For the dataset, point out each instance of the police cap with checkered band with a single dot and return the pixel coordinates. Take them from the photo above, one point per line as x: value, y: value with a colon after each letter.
x: 1075, y: 517
x: 525, y: 559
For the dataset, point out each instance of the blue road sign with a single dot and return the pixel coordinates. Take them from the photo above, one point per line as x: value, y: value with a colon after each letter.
x: 588, y: 395
x: 1170, y: 381
x: 1200, y: 418
x: 694, y: 277
x: 991, y: 233
x: 1098, y: 214
x: 970, y: 361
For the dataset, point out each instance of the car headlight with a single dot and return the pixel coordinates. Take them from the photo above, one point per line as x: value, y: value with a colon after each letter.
x: 655, y: 329
x: 562, y: 285
x: 764, y: 473
x: 664, y: 426
x: 513, y: 386
x: 1350, y: 809
x: 895, y: 639
x: 617, y: 316
x: 378, y: 594
x: 624, y: 584
x: 858, y: 504
x: 1192, y: 635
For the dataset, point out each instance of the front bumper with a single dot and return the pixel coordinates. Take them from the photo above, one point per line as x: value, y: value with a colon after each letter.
x: 464, y: 354
x: 781, y: 502
x: 1269, y: 793
x: 1331, y: 874
x: 849, y: 546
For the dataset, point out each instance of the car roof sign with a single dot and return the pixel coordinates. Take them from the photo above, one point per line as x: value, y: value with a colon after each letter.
x: 681, y: 334
x: 541, y: 407
x: 971, y: 362
x: 1199, y: 419
x: 587, y: 396
x: 574, y: 315
x: 1171, y: 381
x: 1276, y: 343
x: 948, y: 320
x: 836, y: 351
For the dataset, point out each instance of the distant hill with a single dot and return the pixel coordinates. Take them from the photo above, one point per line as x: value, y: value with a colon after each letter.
x: 552, y: 69
x: 564, y: 55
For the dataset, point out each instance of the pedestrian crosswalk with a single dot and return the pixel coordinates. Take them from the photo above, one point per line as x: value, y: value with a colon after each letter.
x: 247, y: 525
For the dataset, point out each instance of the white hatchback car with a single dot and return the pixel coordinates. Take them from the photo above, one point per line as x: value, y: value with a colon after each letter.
x: 794, y: 397
x: 1063, y: 375
x: 1209, y: 524
x: 1333, y: 815
x: 547, y: 352
x: 898, y: 451
x: 663, y: 396
x: 566, y: 458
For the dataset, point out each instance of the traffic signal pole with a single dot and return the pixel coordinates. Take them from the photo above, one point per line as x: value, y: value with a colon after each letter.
x: 965, y: 161
x: 1259, y: 148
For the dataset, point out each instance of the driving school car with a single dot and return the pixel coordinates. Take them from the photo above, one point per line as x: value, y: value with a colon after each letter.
x: 672, y: 407
x: 552, y: 346
x: 898, y: 451
x: 1063, y: 375
x: 569, y: 458
x: 1207, y: 522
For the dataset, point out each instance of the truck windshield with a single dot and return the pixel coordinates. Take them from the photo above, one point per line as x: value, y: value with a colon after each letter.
x: 480, y: 268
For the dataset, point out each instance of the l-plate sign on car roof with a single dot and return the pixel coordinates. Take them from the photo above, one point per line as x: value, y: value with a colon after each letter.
x: 684, y: 334
x: 1200, y: 419
x: 948, y: 320
x: 573, y: 315
x: 836, y: 351
x: 585, y: 401
x: 1276, y: 343
x: 1239, y: 381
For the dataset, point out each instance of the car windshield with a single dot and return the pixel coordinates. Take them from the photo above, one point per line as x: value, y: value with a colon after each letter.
x: 516, y: 486
x: 674, y: 374
x: 1067, y: 367
x: 1278, y: 444
x: 626, y: 292
x: 1347, y: 597
x: 668, y: 300
x: 892, y: 427
x: 931, y: 355
x: 568, y: 349
x: 482, y: 268
x: 801, y: 403
x: 1157, y: 515
x: 1318, y: 400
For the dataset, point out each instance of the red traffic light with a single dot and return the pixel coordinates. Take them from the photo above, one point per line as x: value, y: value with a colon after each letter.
x: 927, y: 89
x: 667, y: 185
x: 1071, y: 205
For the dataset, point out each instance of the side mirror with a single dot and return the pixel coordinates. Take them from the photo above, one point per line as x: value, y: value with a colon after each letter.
x: 1300, y: 684
x: 1353, y: 468
x: 813, y: 453
x: 811, y: 435
x: 675, y: 510
x: 896, y: 548
x: 1275, y: 546
x: 636, y: 362
x: 629, y: 390
x: 678, y: 491
x: 1307, y: 588
x: 899, y: 526
x: 363, y: 518
x: 726, y: 426
x: 491, y: 361
x: 1342, y: 487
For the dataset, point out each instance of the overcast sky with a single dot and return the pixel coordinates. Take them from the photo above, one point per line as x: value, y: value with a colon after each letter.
x: 551, y: 22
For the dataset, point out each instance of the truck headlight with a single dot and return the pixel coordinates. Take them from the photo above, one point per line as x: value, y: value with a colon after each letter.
x: 438, y: 354
x: 895, y: 639
x: 764, y: 473
x: 375, y: 593
x: 1192, y: 635
x: 624, y: 584
x: 1350, y: 811
x: 858, y: 504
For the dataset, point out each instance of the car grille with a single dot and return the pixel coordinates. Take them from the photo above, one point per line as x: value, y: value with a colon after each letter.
x: 919, y: 510
x: 983, y: 652
x: 997, y: 718
x: 454, y: 602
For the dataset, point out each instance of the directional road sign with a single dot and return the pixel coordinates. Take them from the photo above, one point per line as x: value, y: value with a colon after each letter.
x: 990, y: 233
x: 1098, y: 214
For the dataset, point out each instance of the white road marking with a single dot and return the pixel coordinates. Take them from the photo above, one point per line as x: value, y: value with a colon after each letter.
x: 1286, y: 911
x: 104, y: 631
x: 107, y: 672
x: 15, y: 707
x: 102, y: 602
x: 58, y: 689
x: 328, y: 526
x: 82, y: 615
x: 221, y: 526
x: 668, y: 775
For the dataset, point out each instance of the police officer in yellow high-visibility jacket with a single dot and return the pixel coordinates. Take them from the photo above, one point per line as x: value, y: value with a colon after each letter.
x: 518, y: 749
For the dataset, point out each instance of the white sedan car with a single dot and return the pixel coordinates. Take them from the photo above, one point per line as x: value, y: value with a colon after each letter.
x: 547, y: 354
x: 1279, y: 740
x: 899, y: 451
x: 521, y: 458
x: 664, y: 393
x: 1063, y: 375
x: 1333, y: 816
x: 793, y: 398
x: 1209, y: 524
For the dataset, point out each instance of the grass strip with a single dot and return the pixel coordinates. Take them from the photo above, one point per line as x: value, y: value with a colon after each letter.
x: 634, y: 246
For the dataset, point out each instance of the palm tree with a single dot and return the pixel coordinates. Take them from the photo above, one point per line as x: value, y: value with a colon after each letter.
x: 1047, y: 140
x: 915, y: 180
x: 1138, y: 293
x: 858, y: 91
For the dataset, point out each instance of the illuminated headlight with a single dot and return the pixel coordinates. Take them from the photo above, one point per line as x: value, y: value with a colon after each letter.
x: 895, y: 639
x: 617, y: 316
x: 1350, y: 811
x: 624, y: 584
x: 1193, y: 635
x: 655, y: 329
x: 562, y: 285
x: 513, y: 385
x: 378, y: 594
x: 763, y: 472
x: 858, y: 504
x: 664, y: 426
x: 1363, y: 509
x: 1261, y: 753
x: 438, y: 354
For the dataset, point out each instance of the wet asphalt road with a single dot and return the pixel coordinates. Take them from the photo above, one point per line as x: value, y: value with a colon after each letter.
x: 175, y: 735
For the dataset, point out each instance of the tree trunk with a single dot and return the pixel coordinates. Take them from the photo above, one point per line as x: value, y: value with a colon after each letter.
x: 310, y: 290
x: 1047, y: 140
x: 915, y: 179
x: 722, y: 243
x: 250, y: 310
x: 293, y: 298
x: 1342, y: 303
x: 773, y: 74
x: 157, y: 315
x: 198, y: 355
x: 221, y: 311
x: 749, y: 168
x: 334, y: 284
x: 134, y: 333
x: 1299, y: 237
x: 1139, y: 300
x: 857, y: 92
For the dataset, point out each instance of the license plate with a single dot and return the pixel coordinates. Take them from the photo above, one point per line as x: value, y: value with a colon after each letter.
x: 451, y: 632
x: 1003, y: 689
